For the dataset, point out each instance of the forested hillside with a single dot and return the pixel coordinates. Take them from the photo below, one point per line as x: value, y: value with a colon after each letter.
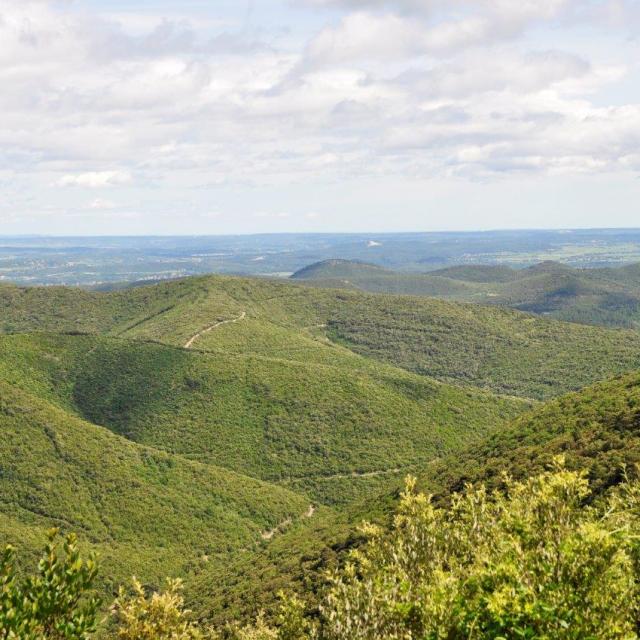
x: 607, y: 296
x: 144, y: 510
x: 498, y: 349
x: 597, y: 430
x: 234, y: 431
x: 329, y: 431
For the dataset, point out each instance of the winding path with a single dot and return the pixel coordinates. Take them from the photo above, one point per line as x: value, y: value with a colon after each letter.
x: 267, y: 535
x: 351, y: 474
x: 191, y: 340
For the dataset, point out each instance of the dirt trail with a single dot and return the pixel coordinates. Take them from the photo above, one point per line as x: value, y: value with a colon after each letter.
x: 352, y: 474
x: 267, y: 535
x: 191, y: 340
x: 365, y: 474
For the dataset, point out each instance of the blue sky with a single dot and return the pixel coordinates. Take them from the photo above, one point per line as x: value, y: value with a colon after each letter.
x: 318, y: 115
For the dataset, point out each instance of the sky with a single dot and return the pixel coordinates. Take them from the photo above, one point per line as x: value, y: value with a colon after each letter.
x: 253, y: 116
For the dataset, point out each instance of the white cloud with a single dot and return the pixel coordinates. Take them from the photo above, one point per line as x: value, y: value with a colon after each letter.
x: 95, y: 180
x: 270, y: 214
x: 101, y: 204
x: 365, y: 35
x: 478, y: 89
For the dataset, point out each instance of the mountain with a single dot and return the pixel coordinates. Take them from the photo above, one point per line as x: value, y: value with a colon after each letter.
x: 596, y: 429
x: 221, y: 428
x: 142, y: 509
x: 483, y: 273
x: 496, y: 349
x: 329, y: 431
x: 598, y: 296
x: 339, y: 269
x: 505, y: 351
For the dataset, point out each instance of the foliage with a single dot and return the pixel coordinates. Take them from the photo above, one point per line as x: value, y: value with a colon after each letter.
x: 55, y: 603
x: 595, y: 429
x: 330, y: 430
x: 489, y: 347
x: 144, y: 510
x: 502, y: 350
x: 532, y: 562
x: 160, y: 616
x: 174, y: 461
x: 537, y: 559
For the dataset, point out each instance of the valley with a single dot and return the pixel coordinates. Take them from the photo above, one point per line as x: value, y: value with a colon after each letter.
x: 235, y: 431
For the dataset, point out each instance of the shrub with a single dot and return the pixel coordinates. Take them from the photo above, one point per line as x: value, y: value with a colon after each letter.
x: 539, y: 560
x: 160, y: 616
x: 54, y: 604
x: 532, y: 561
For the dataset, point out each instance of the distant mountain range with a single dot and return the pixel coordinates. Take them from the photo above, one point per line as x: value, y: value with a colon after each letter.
x: 608, y: 296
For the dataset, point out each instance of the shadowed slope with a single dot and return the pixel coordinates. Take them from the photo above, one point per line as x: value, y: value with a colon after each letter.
x: 146, y: 511
x: 331, y: 430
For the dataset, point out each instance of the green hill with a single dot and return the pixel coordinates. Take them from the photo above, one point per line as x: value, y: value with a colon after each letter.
x: 475, y: 345
x: 187, y: 427
x: 328, y: 430
x: 339, y: 269
x: 597, y: 429
x: 349, y: 274
x: 483, y: 273
x: 145, y: 511
x: 606, y: 296
x: 502, y: 350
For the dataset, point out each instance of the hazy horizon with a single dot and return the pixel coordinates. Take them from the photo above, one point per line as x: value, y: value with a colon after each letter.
x: 328, y: 232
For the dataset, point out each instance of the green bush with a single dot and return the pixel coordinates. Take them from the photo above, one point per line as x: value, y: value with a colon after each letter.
x: 540, y: 559
x: 54, y: 604
x: 530, y: 562
x: 159, y: 616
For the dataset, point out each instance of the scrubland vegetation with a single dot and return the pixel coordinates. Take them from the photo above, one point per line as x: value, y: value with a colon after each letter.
x: 532, y: 560
x: 245, y: 464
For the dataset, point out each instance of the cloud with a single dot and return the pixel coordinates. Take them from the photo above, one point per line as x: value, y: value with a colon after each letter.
x: 474, y: 90
x: 101, y: 204
x: 271, y: 214
x: 95, y: 180
x: 364, y: 35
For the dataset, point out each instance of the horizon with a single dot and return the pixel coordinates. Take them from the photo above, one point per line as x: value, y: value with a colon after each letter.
x: 330, y: 233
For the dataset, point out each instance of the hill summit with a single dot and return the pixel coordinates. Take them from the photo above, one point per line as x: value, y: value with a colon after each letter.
x: 337, y: 268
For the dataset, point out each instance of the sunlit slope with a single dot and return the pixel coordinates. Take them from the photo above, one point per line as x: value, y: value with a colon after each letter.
x: 295, y: 561
x: 331, y: 430
x: 499, y: 349
x: 493, y: 348
x: 147, y: 512
x: 597, y: 429
x: 167, y: 310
